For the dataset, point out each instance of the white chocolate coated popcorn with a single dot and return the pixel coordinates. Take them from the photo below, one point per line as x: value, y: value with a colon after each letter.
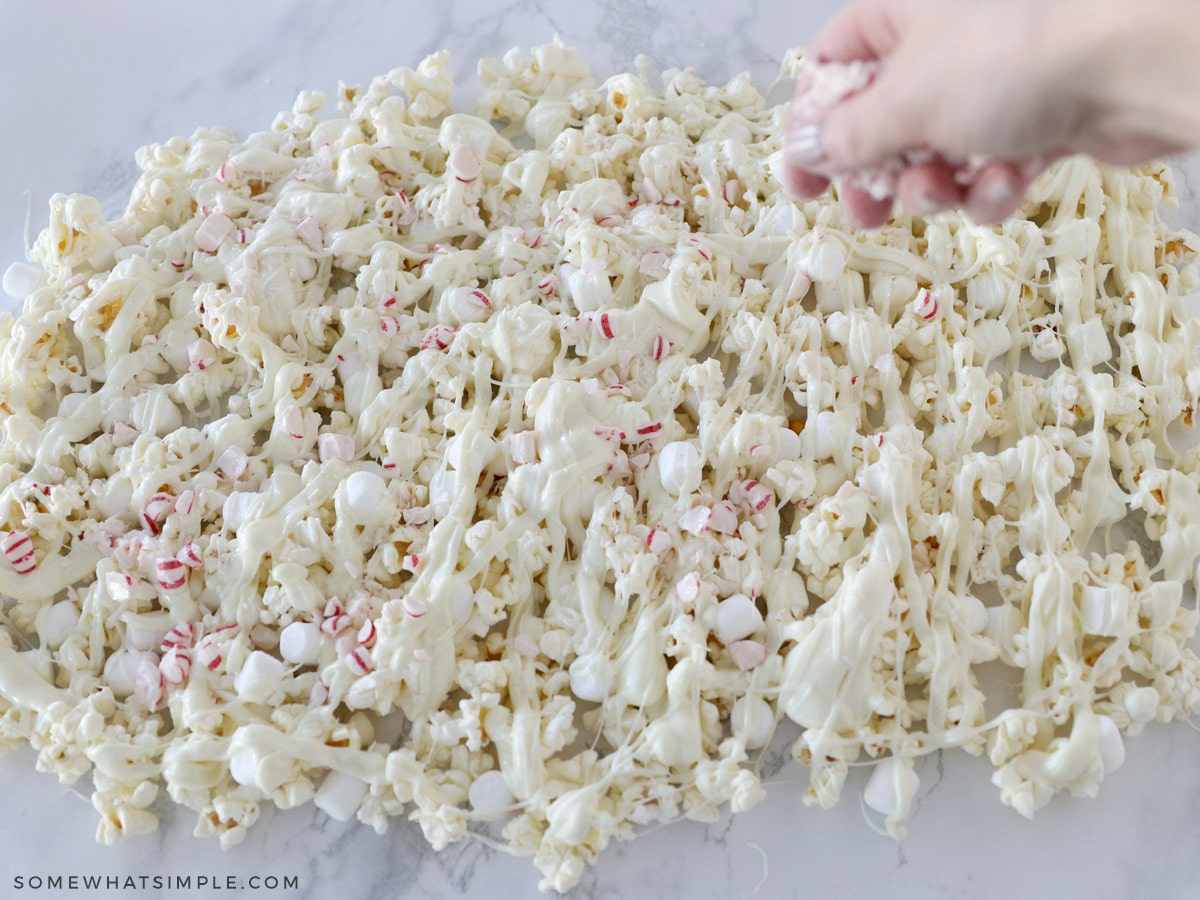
x: 536, y: 465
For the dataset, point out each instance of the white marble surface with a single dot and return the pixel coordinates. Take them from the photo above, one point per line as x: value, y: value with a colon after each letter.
x: 81, y: 87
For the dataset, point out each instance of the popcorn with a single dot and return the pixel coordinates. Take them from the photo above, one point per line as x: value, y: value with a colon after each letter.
x: 502, y: 445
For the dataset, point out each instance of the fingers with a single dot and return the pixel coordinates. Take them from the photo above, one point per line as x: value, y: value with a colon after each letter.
x: 863, y: 30
x: 803, y: 185
x: 863, y: 210
x: 996, y: 193
x: 872, y: 127
x: 929, y: 188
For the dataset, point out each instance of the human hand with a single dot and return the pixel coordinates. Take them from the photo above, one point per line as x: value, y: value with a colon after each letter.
x: 1019, y: 83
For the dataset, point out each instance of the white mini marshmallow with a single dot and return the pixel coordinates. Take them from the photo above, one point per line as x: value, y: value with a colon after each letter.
x: 752, y: 720
x: 243, y: 766
x: 992, y: 339
x: 364, y: 492
x: 1142, y: 704
x: 737, y: 618
x: 489, y: 795
x: 891, y: 788
x: 236, y: 508
x: 154, y: 413
x: 120, y: 670
x: 443, y: 487
x: 259, y: 677
x: 60, y: 620
x: 826, y: 260
x: 300, y: 643
x: 1104, y: 609
x: 340, y: 795
x: 591, y: 677
x: 523, y: 447
x: 789, y: 444
x: 21, y: 279
x: 679, y: 468
x: 822, y: 425
x: 1112, y: 747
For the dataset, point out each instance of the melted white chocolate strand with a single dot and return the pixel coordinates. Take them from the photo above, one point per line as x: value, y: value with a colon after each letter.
x: 534, y: 466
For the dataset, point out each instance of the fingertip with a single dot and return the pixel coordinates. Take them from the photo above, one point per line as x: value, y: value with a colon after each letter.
x: 801, y: 184
x: 997, y: 192
x: 862, y: 209
x: 929, y: 188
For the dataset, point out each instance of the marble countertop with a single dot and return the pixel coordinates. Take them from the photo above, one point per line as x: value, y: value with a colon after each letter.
x: 82, y: 86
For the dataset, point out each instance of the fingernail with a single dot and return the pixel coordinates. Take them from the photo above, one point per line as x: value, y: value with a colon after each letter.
x: 804, y: 146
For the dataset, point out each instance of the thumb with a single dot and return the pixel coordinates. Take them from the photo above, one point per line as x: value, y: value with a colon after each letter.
x: 872, y: 127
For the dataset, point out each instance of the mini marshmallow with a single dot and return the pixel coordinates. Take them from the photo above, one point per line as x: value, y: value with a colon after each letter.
x: 737, y: 618
x: 340, y: 795
x: 891, y: 788
x: 364, y: 491
x: 489, y: 795
x: 789, y: 444
x: 822, y: 425
x: 679, y: 468
x: 259, y: 677
x: 752, y: 720
x: 21, y: 280
x: 121, y: 669
x: 1112, y: 747
x: 300, y: 643
x: 1142, y: 704
x: 1104, y: 609
x: 591, y: 677
x: 58, y: 623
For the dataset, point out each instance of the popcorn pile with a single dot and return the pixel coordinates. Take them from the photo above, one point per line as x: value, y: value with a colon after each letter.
x: 530, y: 467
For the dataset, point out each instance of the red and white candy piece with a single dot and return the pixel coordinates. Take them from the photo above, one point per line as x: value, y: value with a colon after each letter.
x: 175, y: 665
x: 695, y: 520
x: 334, y: 446
x: 213, y: 231
x: 180, y: 637
x: 723, y: 519
x: 757, y: 495
x: 234, y: 462
x: 463, y: 163
x: 124, y: 435
x: 156, y: 510
x: 189, y: 554
x: 438, y: 337
x: 201, y: 355
x: 291, y: 422
x: 19, y: 551
x: 359, y: 661
x: 925, y: 305
x: 148, y: 682
x: 747, y: 655
x: 170, y: 573
x: 309, y: 232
